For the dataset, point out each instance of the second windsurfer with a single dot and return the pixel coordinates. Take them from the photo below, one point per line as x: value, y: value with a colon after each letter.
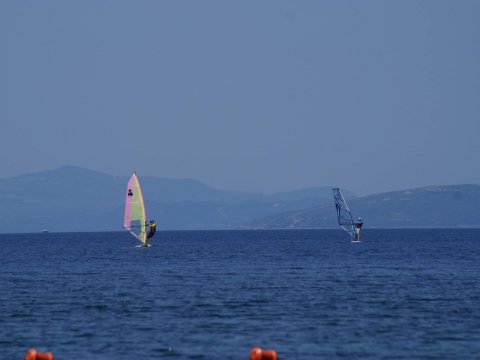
x: 358, y: 227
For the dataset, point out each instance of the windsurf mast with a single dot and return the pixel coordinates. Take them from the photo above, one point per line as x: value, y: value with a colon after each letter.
x: 344, y: 216
x: 135, y: 217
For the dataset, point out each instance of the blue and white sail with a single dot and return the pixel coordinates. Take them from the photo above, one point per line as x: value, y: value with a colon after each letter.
x: 344, y: 216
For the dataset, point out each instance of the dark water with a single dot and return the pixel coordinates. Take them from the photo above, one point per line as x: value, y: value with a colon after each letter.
x: 215, y: 294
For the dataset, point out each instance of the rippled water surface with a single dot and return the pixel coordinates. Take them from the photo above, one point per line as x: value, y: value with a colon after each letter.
x: 215, y: 294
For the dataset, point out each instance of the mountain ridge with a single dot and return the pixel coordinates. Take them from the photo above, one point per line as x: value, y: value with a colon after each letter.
x: 72, y: 198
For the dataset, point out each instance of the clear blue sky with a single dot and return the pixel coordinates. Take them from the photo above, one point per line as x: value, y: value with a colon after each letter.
x: 244, y: 95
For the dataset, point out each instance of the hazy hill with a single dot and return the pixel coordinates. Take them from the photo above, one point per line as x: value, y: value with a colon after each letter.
x: 432, y: 206
x: 76, y: 199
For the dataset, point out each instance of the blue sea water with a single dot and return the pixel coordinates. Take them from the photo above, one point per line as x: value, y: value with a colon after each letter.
x: 310, y: 294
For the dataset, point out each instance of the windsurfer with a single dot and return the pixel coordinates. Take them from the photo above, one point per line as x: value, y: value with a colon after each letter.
x: 152, y: 230
x: 358, y: 227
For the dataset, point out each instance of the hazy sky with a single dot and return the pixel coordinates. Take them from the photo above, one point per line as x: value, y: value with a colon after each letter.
x: 244, y: 95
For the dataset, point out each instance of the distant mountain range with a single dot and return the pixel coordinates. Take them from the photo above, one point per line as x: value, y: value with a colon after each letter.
x: 76, y: 199
x: 426, y: 207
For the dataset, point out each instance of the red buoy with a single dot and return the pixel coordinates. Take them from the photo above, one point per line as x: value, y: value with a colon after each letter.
x: 258, y: 354
x: 255, y: 353
x: 33, y: 354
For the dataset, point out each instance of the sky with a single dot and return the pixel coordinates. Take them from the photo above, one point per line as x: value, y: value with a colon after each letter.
x: 263, y: 96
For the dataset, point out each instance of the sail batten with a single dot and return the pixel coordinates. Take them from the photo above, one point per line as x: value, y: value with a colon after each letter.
x: 135, y: 217
x: 344, y: 216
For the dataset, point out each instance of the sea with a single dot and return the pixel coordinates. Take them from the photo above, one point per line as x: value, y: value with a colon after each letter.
x: 308, y: 294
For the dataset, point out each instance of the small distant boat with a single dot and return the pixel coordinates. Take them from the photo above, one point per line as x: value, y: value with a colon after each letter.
x: 135, y: 218
x: 44, y: 231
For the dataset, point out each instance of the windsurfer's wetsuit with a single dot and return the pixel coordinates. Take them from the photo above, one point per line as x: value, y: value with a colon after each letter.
x: 152, y: 231
x: 358, y: 226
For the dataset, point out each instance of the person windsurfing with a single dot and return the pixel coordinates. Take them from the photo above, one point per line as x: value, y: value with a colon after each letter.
x: 358, y: 226
x: 152, y: 230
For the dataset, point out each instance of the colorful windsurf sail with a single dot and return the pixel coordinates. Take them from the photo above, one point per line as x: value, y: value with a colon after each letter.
x: 135, y: 217
x: 344, y: 216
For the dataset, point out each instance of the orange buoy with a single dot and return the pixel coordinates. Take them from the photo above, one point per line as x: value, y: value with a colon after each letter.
x: 258, y: 354
x: 30, y: 355
x: 33, y: 354
x: 269, y: 355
